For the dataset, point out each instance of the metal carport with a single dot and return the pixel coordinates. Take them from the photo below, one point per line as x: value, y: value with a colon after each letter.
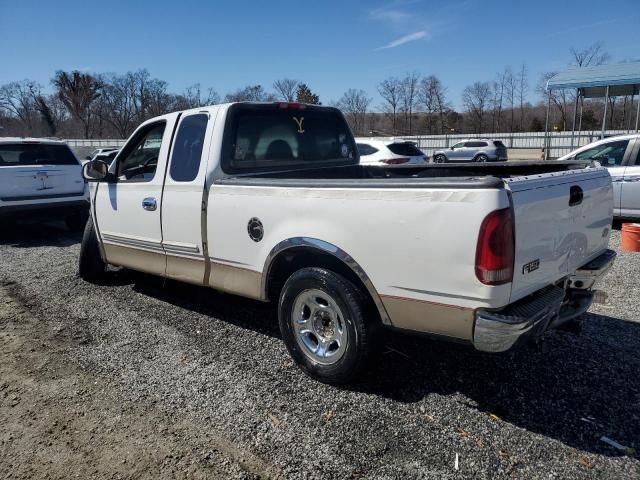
x: 606, y: 81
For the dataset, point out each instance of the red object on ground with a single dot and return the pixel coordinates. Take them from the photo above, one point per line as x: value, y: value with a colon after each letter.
x: 630, y: 240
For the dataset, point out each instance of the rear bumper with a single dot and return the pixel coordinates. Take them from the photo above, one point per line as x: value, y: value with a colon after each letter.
x: 48, y: 208
x: 530, y: 317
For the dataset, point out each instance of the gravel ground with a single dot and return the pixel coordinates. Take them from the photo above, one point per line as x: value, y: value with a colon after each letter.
x: 215, y: 364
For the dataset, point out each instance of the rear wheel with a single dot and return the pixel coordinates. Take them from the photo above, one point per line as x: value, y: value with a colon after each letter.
x: 439, y: 159
x: 90, y: 266
x: 326, y: 324
x: 482, y: 158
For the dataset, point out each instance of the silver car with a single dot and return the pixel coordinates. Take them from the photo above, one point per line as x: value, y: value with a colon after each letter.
x: 621, y: 156
x: 473, y: 150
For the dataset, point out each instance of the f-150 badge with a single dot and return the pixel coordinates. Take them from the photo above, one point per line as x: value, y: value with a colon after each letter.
x: 531, y: 266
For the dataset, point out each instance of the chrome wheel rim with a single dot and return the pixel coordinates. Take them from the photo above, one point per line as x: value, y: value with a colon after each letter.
x: 319, y: 326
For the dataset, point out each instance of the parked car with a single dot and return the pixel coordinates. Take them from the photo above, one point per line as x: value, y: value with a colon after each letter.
x: 41, y: 179
x: 390, y: 152
x: 101, y: 151
x: 473, y: 150
x: 269, y: 201
x: 621, y: 156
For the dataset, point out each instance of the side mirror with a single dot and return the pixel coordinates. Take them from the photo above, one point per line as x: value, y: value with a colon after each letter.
x: 95, y: 170
x: 452, y: 148
x: 88, y: 157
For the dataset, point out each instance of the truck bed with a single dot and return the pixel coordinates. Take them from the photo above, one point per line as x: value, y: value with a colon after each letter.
x: 472, y: 175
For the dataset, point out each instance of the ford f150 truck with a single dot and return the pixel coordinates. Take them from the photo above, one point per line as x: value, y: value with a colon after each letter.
x: 269, y: 201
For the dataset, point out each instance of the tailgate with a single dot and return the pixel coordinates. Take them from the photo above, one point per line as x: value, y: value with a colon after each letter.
x: 33, y: 182
x: 562, y: 221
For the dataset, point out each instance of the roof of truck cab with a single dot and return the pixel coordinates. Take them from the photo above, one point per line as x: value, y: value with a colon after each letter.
x: 45, y: 141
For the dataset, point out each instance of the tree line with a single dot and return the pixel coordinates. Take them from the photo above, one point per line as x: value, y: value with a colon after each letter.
x: 112, y: 105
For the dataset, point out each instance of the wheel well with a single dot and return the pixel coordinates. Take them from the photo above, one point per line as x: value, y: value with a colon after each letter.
x: 293, y: 259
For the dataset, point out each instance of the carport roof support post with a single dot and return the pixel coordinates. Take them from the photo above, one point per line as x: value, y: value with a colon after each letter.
x: 637, y: 113
x: 604, y: 115
x: 546, y: 126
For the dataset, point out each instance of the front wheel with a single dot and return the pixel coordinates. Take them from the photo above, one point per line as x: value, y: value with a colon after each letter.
x: 77, y: 220
x: 90, y: 265
x: 326, y: 324
x: 439, y: 159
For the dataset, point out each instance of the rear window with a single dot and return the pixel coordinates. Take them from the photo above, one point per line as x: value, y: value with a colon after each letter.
x: 35, y: 154
x: 476, y: 144
x: 406, y: 149
x: 264, y: 137
x: 498, y: 143
x: 365, y: 149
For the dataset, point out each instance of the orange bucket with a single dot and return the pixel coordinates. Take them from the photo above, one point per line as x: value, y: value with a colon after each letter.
x: 630, y: 241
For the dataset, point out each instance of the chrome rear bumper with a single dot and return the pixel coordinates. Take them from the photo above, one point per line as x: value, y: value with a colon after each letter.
x: 530, y: 317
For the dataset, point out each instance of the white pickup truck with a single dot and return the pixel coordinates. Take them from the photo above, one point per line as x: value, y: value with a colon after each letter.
x: 268, y: 201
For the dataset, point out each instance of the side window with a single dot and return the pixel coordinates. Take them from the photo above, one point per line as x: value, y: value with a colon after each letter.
x: 187, y: 148
x: 608, y: 154
x: 476, y: 144
x: 364, y: 149
x: 139, y: 158
x: 459, y: 145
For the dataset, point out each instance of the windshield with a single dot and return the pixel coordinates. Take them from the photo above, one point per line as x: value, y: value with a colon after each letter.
x: 36, y: 154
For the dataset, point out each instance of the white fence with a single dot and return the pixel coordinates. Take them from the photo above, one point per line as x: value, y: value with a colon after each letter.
x: 560, y: 143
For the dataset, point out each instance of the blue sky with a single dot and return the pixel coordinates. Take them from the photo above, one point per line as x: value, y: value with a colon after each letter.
x: 331, y: 45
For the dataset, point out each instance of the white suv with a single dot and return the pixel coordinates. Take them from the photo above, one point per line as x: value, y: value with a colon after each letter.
x: 41, y: 178
x: 390, y: 152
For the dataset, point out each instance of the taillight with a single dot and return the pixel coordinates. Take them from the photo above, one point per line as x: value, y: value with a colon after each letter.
x: 495, y: 250
x: 395, y: 161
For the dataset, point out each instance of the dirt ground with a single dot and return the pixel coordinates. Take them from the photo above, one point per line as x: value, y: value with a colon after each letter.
x: 60, y: 422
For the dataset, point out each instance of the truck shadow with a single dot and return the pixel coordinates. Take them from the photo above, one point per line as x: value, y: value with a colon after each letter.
x: 242, y: 312
x: 574, y: 389
x: 37, y: 234
x: 571, y: 388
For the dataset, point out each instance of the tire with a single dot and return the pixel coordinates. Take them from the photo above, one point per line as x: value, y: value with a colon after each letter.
x: 439, y: 159
x: 90, y: 266
x: 321, y: 308
x: 76, y: 221
x: 482, y: 158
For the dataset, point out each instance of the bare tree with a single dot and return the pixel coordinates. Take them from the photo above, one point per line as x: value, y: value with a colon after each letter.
x: 17, y: 99
x: 522, y: 91
x: 476, y: 99
x: 409, y: 98
x: 510, y: 87
x: 431, y: 95
x: 78, y: 91
x: 390, y: 91
x: 498, y: 93
x: 354, y: 103
x: 286, y: 89
x: 594, y: 54
x: 250, y: 93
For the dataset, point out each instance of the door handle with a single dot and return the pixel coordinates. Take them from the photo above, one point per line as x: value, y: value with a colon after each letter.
x: 149, y: 203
